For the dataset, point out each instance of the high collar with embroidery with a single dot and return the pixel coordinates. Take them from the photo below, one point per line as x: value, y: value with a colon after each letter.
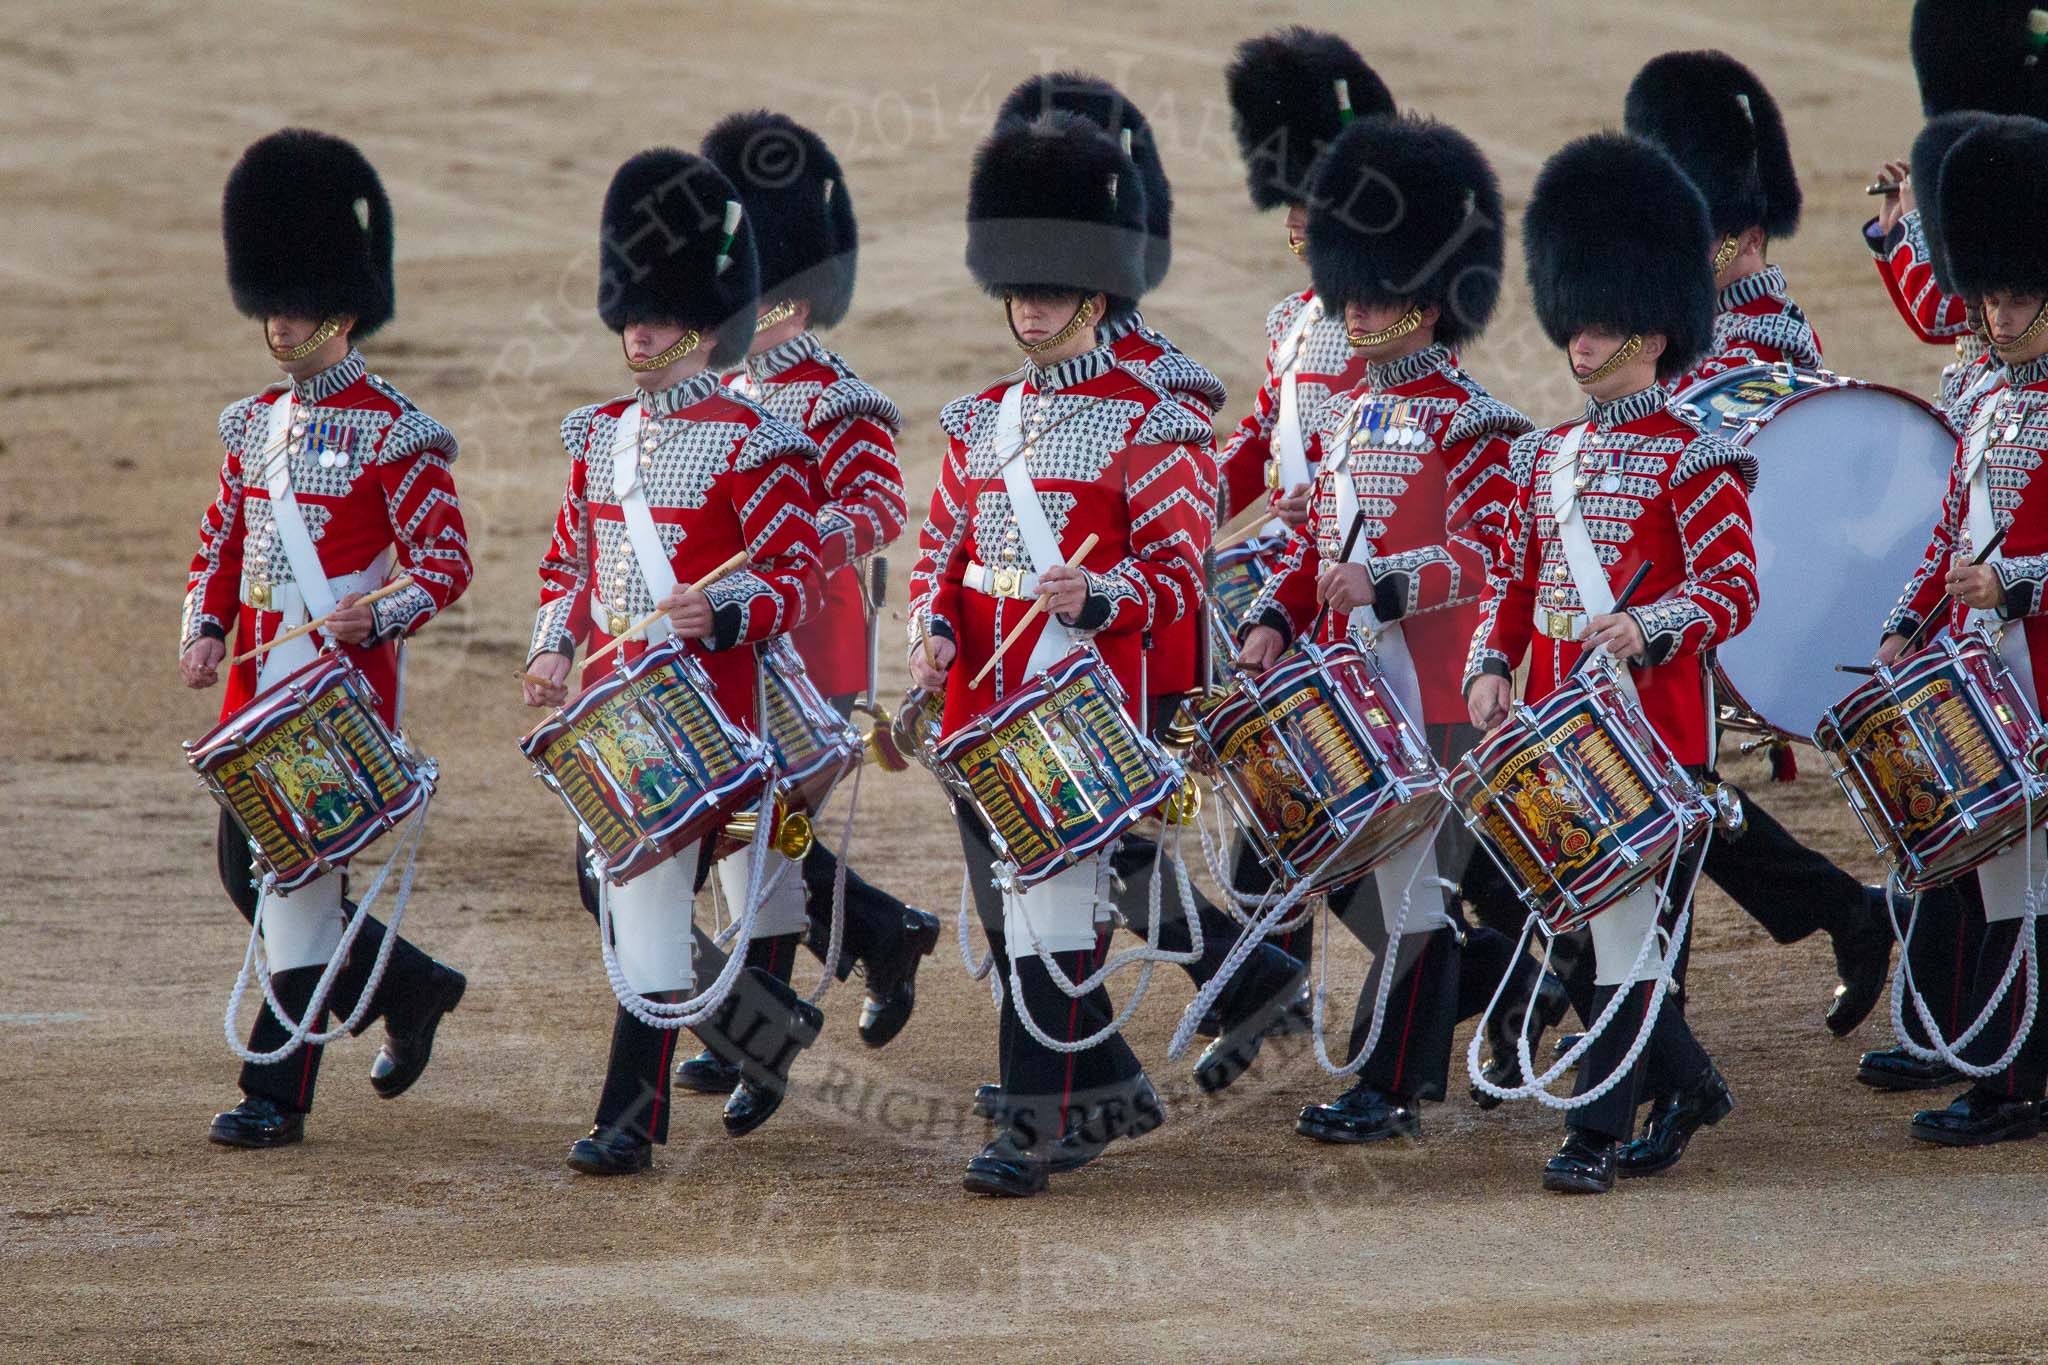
x: 783, y: 357
x: 1406, y: 369
x: 2028, y: 373
x: 1117, y: 328
x: 1630, y: 408
x: 1069, y: 373
x: 1770, y: 281
x: 332, y: 380
x: 676, y: 397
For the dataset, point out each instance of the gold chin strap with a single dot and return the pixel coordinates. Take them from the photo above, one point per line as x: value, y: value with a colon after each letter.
x: 2021, y: 342
x: 776, y: 316
x: 1083, y: 315
x: 1401, y: 327
x: 323, y: 334
x: 688, y: 343
x: 1725, y: 252
x: 1297, y: 245
x: 1627, y: 351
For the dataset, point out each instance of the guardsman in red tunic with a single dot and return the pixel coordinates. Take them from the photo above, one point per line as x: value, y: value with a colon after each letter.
x: 1991, y: 199
x: 665, y: 485
x: 1721, y: 125
x: 795, y: 196
x: 1628, y: 485
x: 1175, y: 652
x: 1291, y: 91
x: 1405, y: 243
x: 333, y: 483
x: 1905, y: 246
x: 1071, y: 445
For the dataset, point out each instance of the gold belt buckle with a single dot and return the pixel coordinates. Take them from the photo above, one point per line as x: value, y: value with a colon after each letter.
x: 615, y: 624
x: 1008, y: 582
x: 1557, y: 625
x: 259, y: 595
x: 1272, y: 476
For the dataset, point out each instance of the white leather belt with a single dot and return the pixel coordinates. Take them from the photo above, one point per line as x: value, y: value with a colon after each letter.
x: 1561, y: 625
x: 1017, y: 583
x: 286, y: 599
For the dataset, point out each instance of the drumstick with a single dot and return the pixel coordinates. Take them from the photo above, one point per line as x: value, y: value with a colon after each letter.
x: 536, y: 679
x: 1620, y: 604
x: 1249, y: 530
x: 402, y: 581
x: 1037, y: 606
x: 1315, y: 627
x: 1941, y: 608
x: 651, y: 617
x: 1884, y: 187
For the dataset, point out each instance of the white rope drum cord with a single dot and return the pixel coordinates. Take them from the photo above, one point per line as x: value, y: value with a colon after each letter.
x: 1243, y: 907
x: 1538, y: 1086
x: 669, y: 1015
x: 301, y: 1031
x: 2023, y: 951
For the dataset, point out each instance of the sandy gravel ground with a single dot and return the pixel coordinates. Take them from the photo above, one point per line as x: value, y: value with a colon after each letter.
x: 444, y: 1225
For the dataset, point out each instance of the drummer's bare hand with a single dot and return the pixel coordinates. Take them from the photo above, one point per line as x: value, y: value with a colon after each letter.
x: 1261, y: 647
x: 1064, y: 589
x: 553, y: 690
x: 1292, y: 506
x: 1899, y: 202
x: 1976, y: 585
x: 1488, y: 700
x: 1618, y: 634
x: 1888, y: 653
x: 200, y: 663
x: 351, y: 623
x: 689, y: 612
x: 928, y: 670
x: 1344, y: 587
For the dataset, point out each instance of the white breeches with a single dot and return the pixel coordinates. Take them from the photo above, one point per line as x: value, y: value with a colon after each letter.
x: 651, y: 918
x: 304, y: 928
x: 1058, y: 914
x: 782, y: 912
x: 1618, y: 934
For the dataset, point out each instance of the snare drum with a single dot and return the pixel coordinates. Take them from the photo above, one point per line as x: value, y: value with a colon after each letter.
x: 1242, y: 572
x: 1941, y: 758
x: 814, y: 746
x: 646, y: 760
x: 916, y: 726
x: 310, y: 771
x: 1579, y: 801
x: 1056, y: 770
x: 1319, y: 765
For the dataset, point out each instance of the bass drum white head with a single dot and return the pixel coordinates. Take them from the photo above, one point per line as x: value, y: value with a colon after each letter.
x: 1851, y: 481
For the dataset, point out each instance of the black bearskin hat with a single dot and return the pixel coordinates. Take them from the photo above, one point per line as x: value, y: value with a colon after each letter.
x: 1285, y: 106
x: 1981, y: 54
x: 1112, y: 111
x: 1408, y: 209
x: 1929, y: 148
x: 663, y: 252
x: 308, y: 231
x: 796, y: 200
x: 1616, y: 238
x: 1722, y: 127
x: 1993, y: 199
x: 1054, y: 205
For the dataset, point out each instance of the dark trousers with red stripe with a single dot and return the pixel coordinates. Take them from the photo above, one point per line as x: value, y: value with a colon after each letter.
x: 635, y: 1098
x: 2025, y: 1077
x: 875, y: 921
x: 289, y: 1083
x: 1788, y: 888
x: 1043, y: 1087
x: 1947, y: 939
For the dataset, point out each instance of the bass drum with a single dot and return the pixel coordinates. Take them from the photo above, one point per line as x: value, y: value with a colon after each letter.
x: 1851, y: 480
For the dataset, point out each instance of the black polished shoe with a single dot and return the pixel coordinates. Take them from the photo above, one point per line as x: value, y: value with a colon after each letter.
x: 610, y: 1151
x: 1005, y: 1170
x: 1894, y: 1068
x: 1583, y: 1165
x: 892, y: 978
x: 707, y: 1074
x: 749, y: 1106
x: 1504, y: 1067
x: 760, y: 1029
x: 406, y: 1051
x: 1363, y: 1113
x: 1863, y: 958
x: 988, y: 1101
x: 1978, y: 1118
x: 257, y: 1123
x: 1265, y: 990
x: 1132, y: 1114
x: 1674, y: 1118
